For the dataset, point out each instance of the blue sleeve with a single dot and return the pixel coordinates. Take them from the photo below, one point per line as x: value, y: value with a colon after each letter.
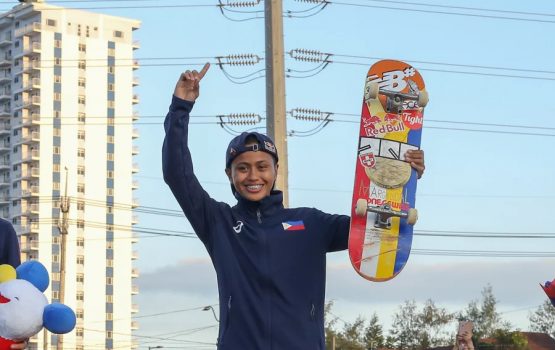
x: 337, y: 230
x: 9, y: 250
x: 177, y: 166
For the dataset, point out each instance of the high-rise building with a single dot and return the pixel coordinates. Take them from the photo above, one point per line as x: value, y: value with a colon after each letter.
x: 66, y: 131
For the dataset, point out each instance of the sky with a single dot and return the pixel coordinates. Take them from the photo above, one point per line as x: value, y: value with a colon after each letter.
x: 488, y: 136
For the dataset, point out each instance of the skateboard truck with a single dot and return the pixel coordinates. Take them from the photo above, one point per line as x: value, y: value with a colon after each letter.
x: 385, y: 213
x: 395, y: 99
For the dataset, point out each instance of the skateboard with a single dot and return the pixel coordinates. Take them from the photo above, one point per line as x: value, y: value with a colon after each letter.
x: 383, y: 208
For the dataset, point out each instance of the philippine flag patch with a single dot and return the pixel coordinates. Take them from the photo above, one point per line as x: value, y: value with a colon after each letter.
x: 293, y: 225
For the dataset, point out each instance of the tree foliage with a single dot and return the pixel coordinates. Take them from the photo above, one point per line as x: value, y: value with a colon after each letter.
x: 543, y: 319
x: 484, y: 314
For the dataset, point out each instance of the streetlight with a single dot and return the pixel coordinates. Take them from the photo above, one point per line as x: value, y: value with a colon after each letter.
x: 209, y: 307
x: 155, y: 347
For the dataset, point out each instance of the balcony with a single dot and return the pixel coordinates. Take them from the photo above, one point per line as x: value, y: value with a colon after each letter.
x: 6, y: 41
x: 134, y: 272
x: 135, y: 185
x: 31, y: 191
x: 31, y: 65
x: 31, y: 101
x: 31, y: 28
x: 5, y: 129
x: 134, y: 149
x: 134, y: 167
x: 135, y: 133
x: 5, y: 110
x: 136, y: 81
x: 135, y: 116
x: 135, y: 99
x: 30, y: 119
x: 5, y: 76
x: 134, y: 325
x: 134, y: 308
x: 5, y: 94
x: 5, y: 146
x: 30, y: 84
x: 30, y: 156
x: 134, y: 255
x: 134, y: 220
x: 33, y: 137
x: 30, y: 246
x: 135, y: 65
x: 134, y: 290
x: 136, y: 44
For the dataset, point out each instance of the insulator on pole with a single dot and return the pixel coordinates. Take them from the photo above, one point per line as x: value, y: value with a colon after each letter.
x: 242, y: 3
x: 241, y: 59
x: 309, y: 114
x: 307, y: 55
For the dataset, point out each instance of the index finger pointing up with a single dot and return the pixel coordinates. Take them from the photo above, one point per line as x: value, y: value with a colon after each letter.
x: 204, y: 70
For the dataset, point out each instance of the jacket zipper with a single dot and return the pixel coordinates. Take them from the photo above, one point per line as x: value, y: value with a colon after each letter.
x: 259, y: 216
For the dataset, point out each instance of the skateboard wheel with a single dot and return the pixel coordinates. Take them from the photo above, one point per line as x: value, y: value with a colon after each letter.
x: 412, y: 216
x: 423, y: 98
x: 373, y: 90
x: 361, y: 207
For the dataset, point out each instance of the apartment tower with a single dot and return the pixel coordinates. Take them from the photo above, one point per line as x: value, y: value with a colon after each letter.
x: 66, y: 162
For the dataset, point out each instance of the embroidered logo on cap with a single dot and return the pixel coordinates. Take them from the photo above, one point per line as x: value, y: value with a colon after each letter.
x: 270, y: 146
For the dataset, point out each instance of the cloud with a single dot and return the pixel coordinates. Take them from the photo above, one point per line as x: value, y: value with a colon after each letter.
x: 515, y: 283
x: 191, y: 277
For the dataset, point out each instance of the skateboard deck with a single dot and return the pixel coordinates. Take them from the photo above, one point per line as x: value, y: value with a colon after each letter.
x: 383, y: 208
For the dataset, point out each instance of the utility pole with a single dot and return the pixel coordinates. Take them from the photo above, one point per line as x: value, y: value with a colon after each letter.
x: 62, y: 226
x: 276, y: 125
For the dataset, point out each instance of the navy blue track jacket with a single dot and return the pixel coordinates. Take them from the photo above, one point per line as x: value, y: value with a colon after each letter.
x: 270, y: 261
x: 9, y: 246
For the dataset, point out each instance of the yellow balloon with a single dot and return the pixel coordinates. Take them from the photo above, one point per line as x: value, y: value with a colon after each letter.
x: 7, y: 272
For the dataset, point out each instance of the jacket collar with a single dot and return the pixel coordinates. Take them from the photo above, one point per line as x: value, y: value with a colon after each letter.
x: 267, y: 206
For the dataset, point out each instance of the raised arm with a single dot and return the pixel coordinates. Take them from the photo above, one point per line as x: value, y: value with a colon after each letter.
x: 177, y: 164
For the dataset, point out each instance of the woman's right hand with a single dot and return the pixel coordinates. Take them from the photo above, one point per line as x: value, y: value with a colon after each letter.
x: 187, y: 87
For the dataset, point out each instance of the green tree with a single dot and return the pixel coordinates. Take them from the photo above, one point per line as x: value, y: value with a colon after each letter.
x: 414, y: 330
x: 484, y: 315
x: 433, y: 321
x: 373, y: 334
x: 506, y: 339
x: 543, y: 319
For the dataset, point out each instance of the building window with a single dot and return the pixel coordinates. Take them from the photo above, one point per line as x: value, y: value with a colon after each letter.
x: 55, y: 294
x: 57, y: 114
x: 81, y: 117
x: 51, y: 22
x: 80, y: 242
x: 80, y: 296
x: 57, y: 61
x: 82, y: 64
x: 112, y: 52
x: 80, y: 313
x: 79, y: 331
x: 109, y: 281
x: 110, y: 262
x: 118, y: 34
x: 80, y: 152
x: 57, y: 78
x: 80, y: 278
x: 56, y: 168
x: 57, y: 96
x: 109, y: 316
x: 56, y: 150
x: 109, y: 298
x: 57, y: 43
x: 81, y: 188
x: 80, y: 170
x: 110, y: 174
x: 81, y: 99
x: 81, y: 82
x: 82, y: 48
x: 80, y: 260
x: 81, y: 134
x: 110, y: 192
x: 80, y: 224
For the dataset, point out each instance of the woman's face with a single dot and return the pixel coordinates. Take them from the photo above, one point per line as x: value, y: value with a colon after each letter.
x: 253, y: 174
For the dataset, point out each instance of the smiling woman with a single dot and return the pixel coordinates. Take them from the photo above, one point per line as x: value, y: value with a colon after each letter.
x: 270, y: 261
x: 252, y: 165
